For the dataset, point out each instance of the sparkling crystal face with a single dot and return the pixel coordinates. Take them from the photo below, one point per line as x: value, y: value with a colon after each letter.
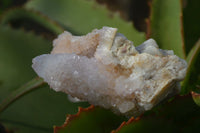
x: 105, y: 69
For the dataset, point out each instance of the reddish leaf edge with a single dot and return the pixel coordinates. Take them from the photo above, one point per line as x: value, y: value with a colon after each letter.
x: 148, y: 21
x: 71, y: 117
x: 130, y: 121
x: 149, y: 31
x: 182, y: 30
x: 31, y: 14
x: 196, y: 97
x: 153, y: 114
x: 194, y: 94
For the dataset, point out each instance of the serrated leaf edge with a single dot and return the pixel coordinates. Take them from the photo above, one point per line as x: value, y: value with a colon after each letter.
x: 71, y: 117
x: 196, y: 97
x: 131, y: 120
x: 59, y: 28
x: 148, y: 23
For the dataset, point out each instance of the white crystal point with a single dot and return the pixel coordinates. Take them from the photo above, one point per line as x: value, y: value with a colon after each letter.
x: 105, y: 69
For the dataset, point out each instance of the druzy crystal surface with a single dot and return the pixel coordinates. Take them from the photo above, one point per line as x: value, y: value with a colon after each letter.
x: 105, y: 69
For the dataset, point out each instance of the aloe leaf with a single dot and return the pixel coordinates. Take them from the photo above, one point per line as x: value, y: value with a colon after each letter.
x: 184, y: 113
x: 148, y: 124
x: 179, y: 115
x: 192, y: 76
x: 82, y: 16
x: 191, y: 23
x: 125, y: 124
x: 165, y: 25
x: 31, y: 85
x: 196, y: 97
x: 16, y: 52
x: 173, y: 116
x: 17, y: 14
x: 36, y: 111
x: 90, y: 120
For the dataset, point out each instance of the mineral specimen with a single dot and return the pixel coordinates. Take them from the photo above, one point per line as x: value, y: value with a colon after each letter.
x: 105, y: 69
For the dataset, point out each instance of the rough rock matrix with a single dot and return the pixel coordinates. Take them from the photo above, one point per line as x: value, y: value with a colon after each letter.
x: 105, y: 69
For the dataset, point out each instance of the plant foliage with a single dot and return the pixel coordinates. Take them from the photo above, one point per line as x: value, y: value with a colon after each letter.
x: 27, y: 104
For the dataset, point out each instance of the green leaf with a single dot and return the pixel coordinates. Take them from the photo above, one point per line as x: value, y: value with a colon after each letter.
x: 196, y: 98
x: 82, y: 16
x: 125, y: 124
x: 148, y: 124
x: 183, y: 112
x: 31, y: 85
x: 179, y: 115
x: 21, y: 15
x: 16, y: 52
x: 165, y: 25
x: 5, y: 4
x: 193, y: 73
x: 36, y: 111
x: 90, y: 120
x: 191, y: 23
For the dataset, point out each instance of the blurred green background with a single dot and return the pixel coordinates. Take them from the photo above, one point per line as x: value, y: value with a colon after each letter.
x: 28, y: 27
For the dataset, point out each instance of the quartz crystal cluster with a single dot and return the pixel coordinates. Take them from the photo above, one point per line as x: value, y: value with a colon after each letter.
x: 105, y: 69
